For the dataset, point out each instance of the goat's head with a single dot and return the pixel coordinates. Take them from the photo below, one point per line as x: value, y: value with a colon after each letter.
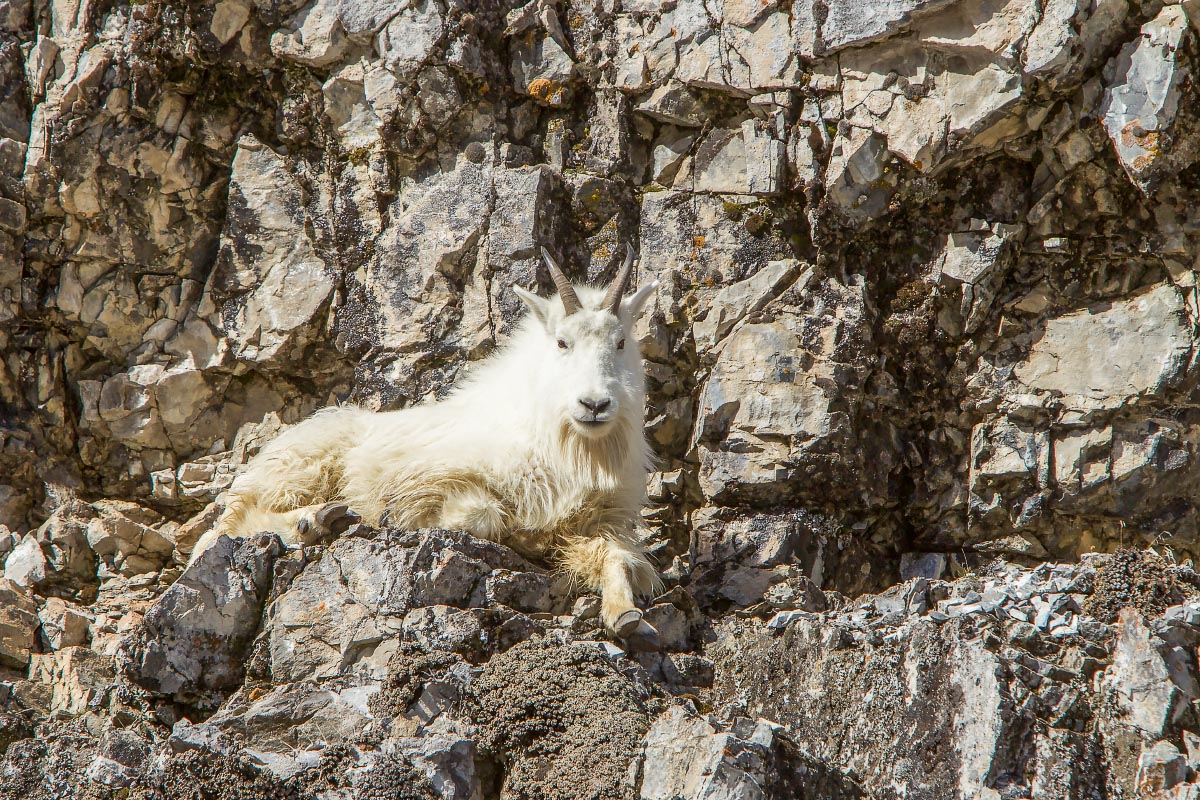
x: 592, y: 363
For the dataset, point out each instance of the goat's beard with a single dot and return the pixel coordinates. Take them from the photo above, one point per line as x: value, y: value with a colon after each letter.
x: 605, y: 449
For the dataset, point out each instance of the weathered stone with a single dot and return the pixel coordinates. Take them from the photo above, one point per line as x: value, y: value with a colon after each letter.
x: 541, y: 68
x: 1147, y: 335
x: 973, y: 263
x: 18, y: 625
x: 26, y: 564
x: 755, y: 401
x: 119, y: 759
x: 673, y: 103
x: 974, y: 712
x: 447, y: 761
x: 735, y: 302
x: 739, y: 161
x: 385, y: 584
x: 316, y: 36
x: 848, y: 23
x: 1160, y: 767
x: 192, y: 642
x: 685, y: 757
x: 1140, y: 681
x: 229, y: 17
x: 79, y: 680
x: 288, y: 722
x: 407, y: 41
x: 1142, y: 104
x: 854, y: 178
x: 270, y: 211
x: 918, y: 113
x: 64, y: 624
x: 128, y: 539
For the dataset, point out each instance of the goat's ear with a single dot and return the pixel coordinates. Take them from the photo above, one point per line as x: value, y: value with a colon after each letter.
x: 633, y: 304
x: 540, y: 306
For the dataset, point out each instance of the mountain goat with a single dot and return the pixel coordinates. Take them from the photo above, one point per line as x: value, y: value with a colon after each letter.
x: 541, y: 448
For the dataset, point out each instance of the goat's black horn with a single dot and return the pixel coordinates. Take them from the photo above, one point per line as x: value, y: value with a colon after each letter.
x: 616, y: 290
x: 566, y: 291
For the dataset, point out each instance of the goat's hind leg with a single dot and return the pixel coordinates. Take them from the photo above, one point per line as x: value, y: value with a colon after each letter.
x: 300, y: 527
x: 319, y: 522
x: 308, y: 525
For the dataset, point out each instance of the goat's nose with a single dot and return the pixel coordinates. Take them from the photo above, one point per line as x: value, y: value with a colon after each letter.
x: 595, y: 406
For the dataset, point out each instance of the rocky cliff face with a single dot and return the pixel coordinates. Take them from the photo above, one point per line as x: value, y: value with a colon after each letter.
x: 927, y: 319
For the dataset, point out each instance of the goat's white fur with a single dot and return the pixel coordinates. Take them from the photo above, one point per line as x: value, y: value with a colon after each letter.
x: 507, y: 456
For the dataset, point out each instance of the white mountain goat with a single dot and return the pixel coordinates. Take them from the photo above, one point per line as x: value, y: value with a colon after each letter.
x: 541, y: 448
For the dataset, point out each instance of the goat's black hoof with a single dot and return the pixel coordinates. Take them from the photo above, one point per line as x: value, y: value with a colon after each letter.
x: 627, y: 623
x: 336, y: 518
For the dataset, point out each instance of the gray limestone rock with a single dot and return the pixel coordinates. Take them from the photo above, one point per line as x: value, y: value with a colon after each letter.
x: 192, y: 644
x: 370, y: 590
x: 18, y: 625
x: 1141, y: 105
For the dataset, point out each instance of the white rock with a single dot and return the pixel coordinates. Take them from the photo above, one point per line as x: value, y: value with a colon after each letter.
x: 1148, y: 335
x: 541, y: 68
x: 669, y: 152
x: 1140, y: 108
x: 685, y: 757
x: 849, y: 22
x: 854, y: 177
x: 739, y: 161
x: 314, y: 37
x: 1049, y: 45
x: 347, y: 107
x: 287, y: 282
x: 64, y: 624
x: 1139, y: 679
x: 971, y: 261
x: 128, y: 539
x: 26, y: 565
x: 672, y: 102
x: 733, y: 303
x: 408, y: 40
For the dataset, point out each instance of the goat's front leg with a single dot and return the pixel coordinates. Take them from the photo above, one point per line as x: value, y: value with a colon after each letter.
x: 619, y: 570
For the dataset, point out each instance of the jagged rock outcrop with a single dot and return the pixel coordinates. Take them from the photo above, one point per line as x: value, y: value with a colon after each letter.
x: 1007, y: 682
x: 927, y: 298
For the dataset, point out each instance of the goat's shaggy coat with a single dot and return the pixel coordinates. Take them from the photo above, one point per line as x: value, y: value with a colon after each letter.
x: 541, y: 447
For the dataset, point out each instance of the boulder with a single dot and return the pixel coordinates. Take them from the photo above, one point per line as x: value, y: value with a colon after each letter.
x: 192, y: 643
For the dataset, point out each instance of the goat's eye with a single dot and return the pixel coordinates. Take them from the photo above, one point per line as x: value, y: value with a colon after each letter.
x: 620, y: 344
x: 562, y: 344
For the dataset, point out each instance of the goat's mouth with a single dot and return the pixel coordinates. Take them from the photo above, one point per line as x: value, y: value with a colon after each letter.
x: 591, y: 425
